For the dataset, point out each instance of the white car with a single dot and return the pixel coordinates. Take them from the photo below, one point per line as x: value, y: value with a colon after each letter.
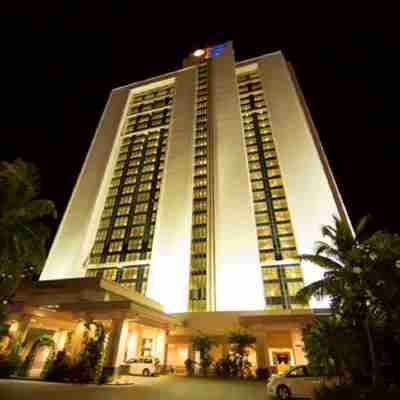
x: 143, y: 366
x: 297, y: 382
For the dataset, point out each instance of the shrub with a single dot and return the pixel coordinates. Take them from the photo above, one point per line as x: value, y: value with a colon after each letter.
x: 59, y: 369
x: 12, y: 361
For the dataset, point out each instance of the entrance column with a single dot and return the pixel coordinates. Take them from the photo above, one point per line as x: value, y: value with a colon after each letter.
x: 298, y: 346
x: 115, y: 349
x: 261, y: 350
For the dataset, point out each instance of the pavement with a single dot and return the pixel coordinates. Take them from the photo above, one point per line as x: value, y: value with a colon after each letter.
x: 151, y: 388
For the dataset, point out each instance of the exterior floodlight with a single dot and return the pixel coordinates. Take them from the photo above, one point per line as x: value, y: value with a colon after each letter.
x: 199, y: 53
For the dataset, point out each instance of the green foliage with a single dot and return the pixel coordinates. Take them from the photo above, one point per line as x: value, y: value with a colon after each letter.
x: 44, y: 340
x: 59, y: 369
x: 89, y: 365
x: 356, y: 392
x: 334, y: 348
x: 241, y: 341
x: 11, y: 362
x: 23, y: 230
x: 362, y: 277
x: 203, y: 344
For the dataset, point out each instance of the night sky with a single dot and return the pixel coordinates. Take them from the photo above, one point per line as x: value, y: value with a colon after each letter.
x: 58, y: 67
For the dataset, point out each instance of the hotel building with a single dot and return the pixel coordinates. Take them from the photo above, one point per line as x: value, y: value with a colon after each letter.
x: 200, y: 189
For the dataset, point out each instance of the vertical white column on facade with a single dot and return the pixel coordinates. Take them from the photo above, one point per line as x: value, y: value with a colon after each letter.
x: 238, y: 273
x: 170, y: 265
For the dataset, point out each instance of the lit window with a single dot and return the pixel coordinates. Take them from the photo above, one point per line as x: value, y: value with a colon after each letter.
x: 294, y: 287
x: 115, y: 246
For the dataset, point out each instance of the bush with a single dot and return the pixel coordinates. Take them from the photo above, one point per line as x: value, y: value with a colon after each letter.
x: 12, y: 361
x: 59, y: 370
x: 356, y: 392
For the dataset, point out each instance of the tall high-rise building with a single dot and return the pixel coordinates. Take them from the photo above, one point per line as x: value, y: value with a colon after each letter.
x: 201, y: 188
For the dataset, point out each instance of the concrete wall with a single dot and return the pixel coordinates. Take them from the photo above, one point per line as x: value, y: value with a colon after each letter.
x: 170, y: 266
x: 238, y: 274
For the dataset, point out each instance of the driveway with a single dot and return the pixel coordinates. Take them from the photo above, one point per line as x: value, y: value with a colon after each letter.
x: 156, y: 388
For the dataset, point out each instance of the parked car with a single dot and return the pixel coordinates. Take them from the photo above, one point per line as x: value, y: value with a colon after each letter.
x: 297, y: 382
x: 143, y: 366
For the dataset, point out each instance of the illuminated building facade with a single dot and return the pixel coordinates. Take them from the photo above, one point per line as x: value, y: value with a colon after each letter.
x: 200, y: 189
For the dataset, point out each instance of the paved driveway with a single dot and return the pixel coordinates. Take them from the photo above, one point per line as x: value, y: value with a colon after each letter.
x: 163, y: 387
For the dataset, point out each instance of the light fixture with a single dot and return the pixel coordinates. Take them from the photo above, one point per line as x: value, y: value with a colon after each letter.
x: 198, y: 52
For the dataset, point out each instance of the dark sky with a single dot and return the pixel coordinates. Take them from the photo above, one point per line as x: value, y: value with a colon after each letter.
x: 58, y: 66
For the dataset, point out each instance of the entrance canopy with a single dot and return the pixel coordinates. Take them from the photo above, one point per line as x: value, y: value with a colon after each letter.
x: 94, y: 298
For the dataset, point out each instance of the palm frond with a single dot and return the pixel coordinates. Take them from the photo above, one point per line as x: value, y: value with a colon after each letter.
x: 321, y: 261
x: 327, y: 250
x: 317, y: 289
x: 360, y: 228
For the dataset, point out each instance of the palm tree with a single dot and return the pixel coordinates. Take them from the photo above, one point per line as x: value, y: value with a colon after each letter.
x: 23, y: 229
x: 342, y: 261
x: 336, y: 258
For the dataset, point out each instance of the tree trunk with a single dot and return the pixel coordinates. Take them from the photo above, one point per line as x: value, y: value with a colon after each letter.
x: 371, y: 352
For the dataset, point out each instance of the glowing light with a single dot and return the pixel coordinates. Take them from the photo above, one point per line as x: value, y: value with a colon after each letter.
x: 199, y: 52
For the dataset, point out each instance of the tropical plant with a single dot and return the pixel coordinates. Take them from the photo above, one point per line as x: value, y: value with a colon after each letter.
x: 10, y: 362
x: 23, y: 229
x: 357, y: 270
x: 203, y: 344
x: 241, y: 342
x: 59, y: 370
x: 44, y: 340
x: 89, y: 364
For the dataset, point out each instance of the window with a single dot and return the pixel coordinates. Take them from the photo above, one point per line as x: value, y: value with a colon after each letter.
x: 270, y: 273
x: 293, y: 272
x: 282, y: 215
x: 135, y: 244
x: 105, y: 223
x: 278, y: 204
x: 139, y: 219
x: 123, y: 210
x: 287, y: 242
x: 101, y: 235
x: 115, y: 246
x: 121, y: 221
x: 294, y: 287
x: 284, y: 229
x: 118, y: 234
x: 275, y: 182
x: 264, y: 231
x: 137, y: 231
x: 262, y: 218
x: 259, y: 195
x: 265, y: 244
x: 272, y: 289
x: 98, y: 248
x: 278, y: 192
x: 289, y: 254
x: 267, y: 256
x: 125, y: 199
x: 128, y: 189
x: 273, y: 172
x: 141, y: 208
x: 260, y: 207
